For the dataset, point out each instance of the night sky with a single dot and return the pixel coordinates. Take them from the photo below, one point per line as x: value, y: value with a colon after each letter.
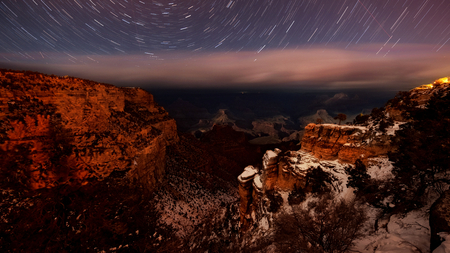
x: 211, y: 43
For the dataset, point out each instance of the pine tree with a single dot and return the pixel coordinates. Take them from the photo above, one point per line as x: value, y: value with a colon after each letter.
x: 341, y: 117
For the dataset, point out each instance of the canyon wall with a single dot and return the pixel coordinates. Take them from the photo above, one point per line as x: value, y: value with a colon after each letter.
x: 346, y: 143
x: 349, y: 143
x: 62, y: 129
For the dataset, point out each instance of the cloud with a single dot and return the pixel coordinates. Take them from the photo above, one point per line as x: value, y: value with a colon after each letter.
x: 406, y: 66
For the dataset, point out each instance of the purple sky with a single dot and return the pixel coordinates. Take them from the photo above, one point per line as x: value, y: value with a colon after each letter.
x: 230, y: 43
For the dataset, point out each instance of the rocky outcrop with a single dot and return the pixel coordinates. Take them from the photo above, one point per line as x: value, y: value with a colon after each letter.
x: 280, y: 172
x: 400, y: 107
x: 326, y: 145
x: 372, y: 138
x: 246, y: 193
x: 346, y: 143
x: 439, y: 220
x: 66, y: 129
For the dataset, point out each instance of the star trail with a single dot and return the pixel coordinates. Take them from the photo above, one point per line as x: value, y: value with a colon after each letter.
x: 139, y: 33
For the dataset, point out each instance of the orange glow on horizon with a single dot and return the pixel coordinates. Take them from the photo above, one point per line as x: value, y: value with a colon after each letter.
x: 443, y: 80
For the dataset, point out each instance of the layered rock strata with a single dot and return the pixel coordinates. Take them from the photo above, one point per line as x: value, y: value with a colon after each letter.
x: 69, y: 129
x: 346, y: 143
x: 280, y: 172
x: 324, y: 145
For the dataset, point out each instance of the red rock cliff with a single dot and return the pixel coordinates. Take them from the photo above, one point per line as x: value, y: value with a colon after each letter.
x: 57, y: 130
x: 346, y: 143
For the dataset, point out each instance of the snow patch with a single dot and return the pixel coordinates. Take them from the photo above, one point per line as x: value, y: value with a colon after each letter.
x: 445, y: 246
x: 362, y: 128
x: 248, y: 174
x: 257, y: 183
x: 410, y: 233
x: 380, y: 168
x: 392, y: 129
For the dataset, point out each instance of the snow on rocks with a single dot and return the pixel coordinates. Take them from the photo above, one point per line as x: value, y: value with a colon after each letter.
x: 392, y: 129
x: 257, y: 184
x: 248, y: 174
x: 346, y: 143
x: 445, y: 246
x: 380, y: 168
x: 184, y: 204
x: 403, y: 234
x: 270, y: 158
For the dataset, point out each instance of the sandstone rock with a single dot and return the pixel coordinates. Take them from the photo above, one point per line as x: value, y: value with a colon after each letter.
x: 246, y: 195
x: 346, y: 143
x: 77, y: 129
x: 280, y: 172
x: 270, y: 169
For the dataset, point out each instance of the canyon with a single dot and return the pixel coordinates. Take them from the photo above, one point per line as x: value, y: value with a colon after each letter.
x: 86, y: 150
x: 336, y: 150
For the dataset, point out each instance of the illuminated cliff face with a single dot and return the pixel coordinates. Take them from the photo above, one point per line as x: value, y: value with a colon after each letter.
x: 443, y: 80
x: 399, y: 107
x: 69, y: 130
x: 345, y: 143
x: 430, y: 86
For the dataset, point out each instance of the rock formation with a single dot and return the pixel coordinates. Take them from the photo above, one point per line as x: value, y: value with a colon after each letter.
x: 246, y: 194
x: 398, y: 108
x: 280, y: 172
x: 287, y: 171
x: 321, y: 115
x: 346, y: 143
x: 334, y: 148
x: 64, y: 129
